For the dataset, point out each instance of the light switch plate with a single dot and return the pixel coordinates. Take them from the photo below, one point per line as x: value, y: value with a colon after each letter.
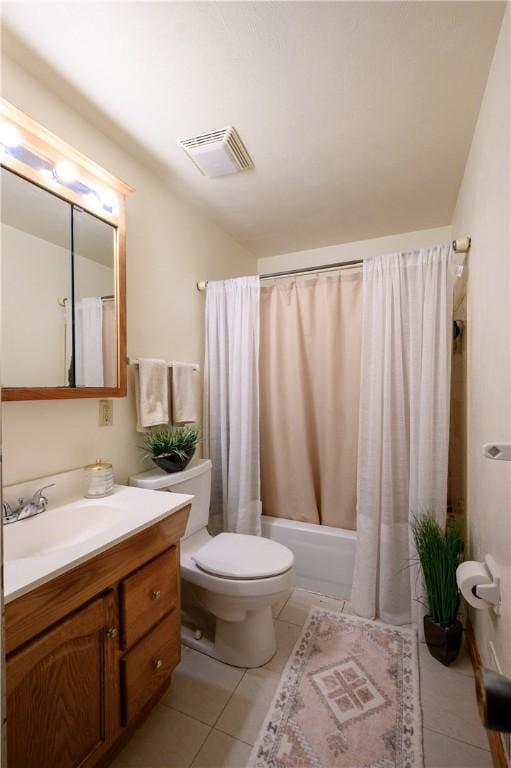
x: 106, y: 413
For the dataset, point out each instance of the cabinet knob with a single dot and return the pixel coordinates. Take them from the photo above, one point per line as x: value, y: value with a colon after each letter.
x: 156, y: 594
x: 157, y: 663
x: 112, y: 632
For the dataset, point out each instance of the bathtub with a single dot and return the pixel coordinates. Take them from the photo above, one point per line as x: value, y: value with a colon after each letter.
x: 324, y: 556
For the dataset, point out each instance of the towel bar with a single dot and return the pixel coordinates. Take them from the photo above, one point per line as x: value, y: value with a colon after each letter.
x: 171, y: 363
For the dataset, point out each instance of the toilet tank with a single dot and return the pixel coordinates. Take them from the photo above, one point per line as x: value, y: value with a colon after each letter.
x: 195, y: 480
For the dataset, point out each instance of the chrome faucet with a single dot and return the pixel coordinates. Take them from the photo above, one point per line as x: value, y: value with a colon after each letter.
x: 37, y: 504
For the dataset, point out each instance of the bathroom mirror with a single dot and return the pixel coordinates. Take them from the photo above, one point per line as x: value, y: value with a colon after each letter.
x: 62, y: 269
x: 35, y: 273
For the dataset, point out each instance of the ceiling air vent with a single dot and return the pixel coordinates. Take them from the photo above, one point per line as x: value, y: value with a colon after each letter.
x: 218, y: 153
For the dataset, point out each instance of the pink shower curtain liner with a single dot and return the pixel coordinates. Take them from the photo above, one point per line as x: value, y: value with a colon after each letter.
x: 309, y: 395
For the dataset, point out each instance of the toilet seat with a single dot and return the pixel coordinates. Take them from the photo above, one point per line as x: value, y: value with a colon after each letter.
x: 240, y: 556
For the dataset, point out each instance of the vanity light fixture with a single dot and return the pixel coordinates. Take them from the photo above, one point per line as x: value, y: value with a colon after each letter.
x: 9, y: 135
x: 92, y: 199
x: 47, y: 175
x: 109, y: 200
x: 65, y: 171
x: 103, y: 200
x: 34, y: 153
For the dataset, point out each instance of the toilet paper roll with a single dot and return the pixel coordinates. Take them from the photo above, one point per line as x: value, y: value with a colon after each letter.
x: 469, y: 575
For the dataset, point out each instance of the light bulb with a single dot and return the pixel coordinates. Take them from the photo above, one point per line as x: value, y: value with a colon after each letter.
x: 65, y: 171
x: 9, y: 135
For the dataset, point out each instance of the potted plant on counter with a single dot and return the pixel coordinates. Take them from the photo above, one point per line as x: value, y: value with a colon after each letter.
x: 440, y: 552
x: 172, y: 448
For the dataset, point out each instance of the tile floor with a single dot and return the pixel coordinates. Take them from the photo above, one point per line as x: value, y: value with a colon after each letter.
x: 211, y: 716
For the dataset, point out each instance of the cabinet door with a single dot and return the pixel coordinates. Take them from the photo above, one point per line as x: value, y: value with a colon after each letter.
x: 63, y: 692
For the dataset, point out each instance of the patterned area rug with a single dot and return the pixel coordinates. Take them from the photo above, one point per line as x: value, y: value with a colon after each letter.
x: 348, y: 697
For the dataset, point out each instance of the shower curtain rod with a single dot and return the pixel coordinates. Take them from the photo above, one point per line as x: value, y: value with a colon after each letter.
x: 461, y: 245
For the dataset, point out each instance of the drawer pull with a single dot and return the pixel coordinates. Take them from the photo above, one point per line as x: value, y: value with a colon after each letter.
x: 157, y: 663
x: 156, y: 594
x: 112, y: 632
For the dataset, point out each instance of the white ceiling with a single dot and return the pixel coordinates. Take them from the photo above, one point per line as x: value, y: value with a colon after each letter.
x: 358, y: 115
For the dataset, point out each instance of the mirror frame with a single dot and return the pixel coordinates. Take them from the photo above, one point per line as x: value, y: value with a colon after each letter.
x: 46, y: 144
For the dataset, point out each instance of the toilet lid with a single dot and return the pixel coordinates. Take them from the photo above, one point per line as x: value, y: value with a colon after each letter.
x: 239, y: 556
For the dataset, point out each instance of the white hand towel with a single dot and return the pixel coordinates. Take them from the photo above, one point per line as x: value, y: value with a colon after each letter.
x: 151, y: 393
x: 184, y: 406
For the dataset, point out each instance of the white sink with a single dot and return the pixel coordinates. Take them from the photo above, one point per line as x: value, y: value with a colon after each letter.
x: 57, y: 529
x: 40, y: 548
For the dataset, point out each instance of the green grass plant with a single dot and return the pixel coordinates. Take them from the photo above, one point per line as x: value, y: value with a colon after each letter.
x: 173, y: 441
x: 439, y: 552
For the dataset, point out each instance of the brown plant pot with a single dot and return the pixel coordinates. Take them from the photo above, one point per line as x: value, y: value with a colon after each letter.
x: 444, y: 643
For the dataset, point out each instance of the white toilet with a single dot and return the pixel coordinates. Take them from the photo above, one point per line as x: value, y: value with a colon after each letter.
x: 229, y: 581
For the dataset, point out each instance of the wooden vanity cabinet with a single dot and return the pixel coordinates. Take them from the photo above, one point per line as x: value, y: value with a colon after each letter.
x: 79, y: 686
x: 61, y: 712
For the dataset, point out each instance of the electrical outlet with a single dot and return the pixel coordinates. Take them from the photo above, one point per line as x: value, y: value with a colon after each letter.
x: 106, y: 413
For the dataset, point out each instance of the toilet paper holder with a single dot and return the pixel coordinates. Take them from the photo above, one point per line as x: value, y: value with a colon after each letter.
x: 490, y: 592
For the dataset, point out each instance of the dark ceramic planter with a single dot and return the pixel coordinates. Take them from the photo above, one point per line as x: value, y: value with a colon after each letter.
x: 444, y: 643
x: 173, y: 463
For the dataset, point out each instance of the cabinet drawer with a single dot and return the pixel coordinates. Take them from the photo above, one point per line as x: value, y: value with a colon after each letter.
x: 146, y: 667
x: 147, y: 595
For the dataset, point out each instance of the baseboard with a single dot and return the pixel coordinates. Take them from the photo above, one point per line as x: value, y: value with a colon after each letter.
x: 496, y: 747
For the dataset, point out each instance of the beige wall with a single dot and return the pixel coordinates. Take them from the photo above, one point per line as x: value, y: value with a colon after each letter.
x: 361, y: 249
x: 483, y: 210
x: 170, y: 246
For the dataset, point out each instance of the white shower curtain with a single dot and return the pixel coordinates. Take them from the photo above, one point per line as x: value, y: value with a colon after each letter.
x: 403, y: 424
x: 95, y: 342
x: 89, y: 342
x: 231, y: 404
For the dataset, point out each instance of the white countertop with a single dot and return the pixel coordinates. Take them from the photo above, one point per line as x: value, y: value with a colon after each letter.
x: 129, y: 510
